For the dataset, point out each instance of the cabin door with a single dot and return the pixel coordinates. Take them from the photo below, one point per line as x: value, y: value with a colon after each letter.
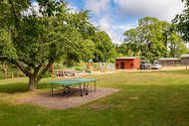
x: 122, y: 65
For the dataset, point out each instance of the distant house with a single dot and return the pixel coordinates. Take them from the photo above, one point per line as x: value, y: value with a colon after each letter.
x: 169, y: 61
x: 128, y: 63
x: 185, y: 60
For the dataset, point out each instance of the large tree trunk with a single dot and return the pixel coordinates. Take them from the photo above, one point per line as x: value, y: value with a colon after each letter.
x: 32, y: 83
x: 5, y: 70
x: 12, y: 75
x: 36, y: 76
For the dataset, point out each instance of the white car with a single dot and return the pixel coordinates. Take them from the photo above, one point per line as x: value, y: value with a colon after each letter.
x: 156, y: 66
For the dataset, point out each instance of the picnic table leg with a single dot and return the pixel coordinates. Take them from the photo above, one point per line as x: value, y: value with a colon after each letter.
x: 80, y: 86
x: 69, y: 89
x: 86, y: 93
x: 85, y: 88
x: 64, y: 90
x: 52, y: 90
x: 95, y: 86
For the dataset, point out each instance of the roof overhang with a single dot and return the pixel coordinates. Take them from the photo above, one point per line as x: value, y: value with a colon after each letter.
x: 169, y: 59
x: 185, y: 56
x: 127, y: 58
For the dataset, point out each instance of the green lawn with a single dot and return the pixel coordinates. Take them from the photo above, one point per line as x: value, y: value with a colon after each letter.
x: 145, y: 99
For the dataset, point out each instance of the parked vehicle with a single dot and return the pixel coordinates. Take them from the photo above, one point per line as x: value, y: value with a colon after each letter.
x: 156, y: 66
x: 144, y: 65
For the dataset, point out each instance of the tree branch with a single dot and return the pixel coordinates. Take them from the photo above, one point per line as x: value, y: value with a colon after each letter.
x: 36, y: 70
x: 29, y: 64
x: 45, y: 70
x: 28, y: 74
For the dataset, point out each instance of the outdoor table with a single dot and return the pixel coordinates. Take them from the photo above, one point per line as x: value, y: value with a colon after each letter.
x: 67, y: 84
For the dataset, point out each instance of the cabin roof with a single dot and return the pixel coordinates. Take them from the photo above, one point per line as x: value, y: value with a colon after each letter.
x: 163, y: 59
x: 185, y: 56
x: 135, y: 57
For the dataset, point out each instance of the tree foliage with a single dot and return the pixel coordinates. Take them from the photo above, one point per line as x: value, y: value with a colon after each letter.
x: 153, y: 39
x: 104, y: 48
x: 182, y: 22
x: 34, y: 39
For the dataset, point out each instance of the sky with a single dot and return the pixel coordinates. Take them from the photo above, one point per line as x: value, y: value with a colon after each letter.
x: 117, y: 16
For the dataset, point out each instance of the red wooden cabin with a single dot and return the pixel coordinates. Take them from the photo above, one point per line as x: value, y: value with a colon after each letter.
x: 128, y: 63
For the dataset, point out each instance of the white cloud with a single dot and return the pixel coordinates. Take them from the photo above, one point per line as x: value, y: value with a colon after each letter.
x: 115, y: 31
x: 105, y: 24
x: 105, y: 12
x: 101, y: 9
x: 33, y: 9
x: 73, y: 9
x: 163, y: 9
x: 98, y: 7
x: 118, y: 30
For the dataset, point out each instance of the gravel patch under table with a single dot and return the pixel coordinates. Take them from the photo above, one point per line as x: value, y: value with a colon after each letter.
x: 67, y: 101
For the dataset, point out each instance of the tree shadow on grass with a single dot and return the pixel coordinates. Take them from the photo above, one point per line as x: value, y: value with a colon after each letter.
x: 13, y: 88
x: 20, y: 87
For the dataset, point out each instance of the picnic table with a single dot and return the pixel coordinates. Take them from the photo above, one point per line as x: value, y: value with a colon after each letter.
x: 83, y: 84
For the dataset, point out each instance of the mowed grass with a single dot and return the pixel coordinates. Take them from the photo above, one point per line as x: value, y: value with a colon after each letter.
x: 144, y: 99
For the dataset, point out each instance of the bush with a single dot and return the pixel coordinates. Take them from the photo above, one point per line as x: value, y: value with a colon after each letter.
x: 78, y: 68
x: 47, y: 74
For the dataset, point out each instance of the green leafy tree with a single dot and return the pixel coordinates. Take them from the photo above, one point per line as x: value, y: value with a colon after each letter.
x: 83, y: 37
x: 34, y: 41
x: 182, y: 22
x: 153, y: 39
x: 176, y: 45
x: 150, y: 33
x: 132, y: 45
x: 104, y: 48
